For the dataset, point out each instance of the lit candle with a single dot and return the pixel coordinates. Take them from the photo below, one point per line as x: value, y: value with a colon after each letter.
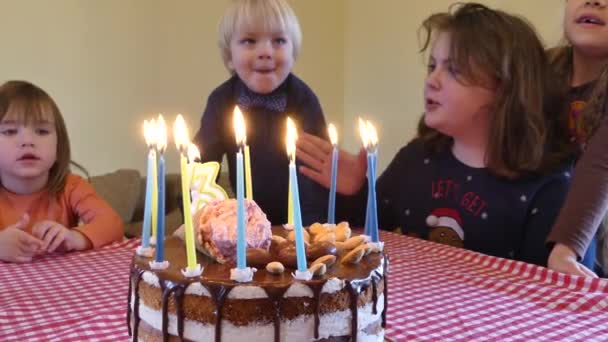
x: 289, y: 207
x: 365, y: 141
x: 149, y: 135
x: 239, y: 133
x: 160, y: 262
x: 248, y: 183
x: 182, y: 142
x: 292, y: 136
x: 373, y: 147
x: 331, y: 211
x: 369, y: 137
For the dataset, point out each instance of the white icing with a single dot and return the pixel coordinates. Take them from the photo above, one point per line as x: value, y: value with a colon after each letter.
x: 197, y: 289
x: 247, y: 292
x: 163, y: 265
x: 298, y: 290
x: 299, y: 329
x: 147, y: 252
x: 151, y: 279
x: 196, y: 272
x: 242, y: 275
x: 302, y: 275
x: 333, y: 285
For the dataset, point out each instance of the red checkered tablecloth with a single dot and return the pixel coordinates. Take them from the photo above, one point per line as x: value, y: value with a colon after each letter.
x: 436, y: 293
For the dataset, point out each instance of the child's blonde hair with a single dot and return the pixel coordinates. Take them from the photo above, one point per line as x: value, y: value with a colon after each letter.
x: 267, y: 15
x: 506, y: 48
x: 28, y: 103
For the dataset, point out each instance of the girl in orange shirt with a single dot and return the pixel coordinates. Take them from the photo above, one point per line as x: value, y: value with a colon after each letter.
x: 43, y: 207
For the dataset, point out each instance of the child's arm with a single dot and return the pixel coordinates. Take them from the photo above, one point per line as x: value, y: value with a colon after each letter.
x: 543, y: 210
x: 17, y: 245
x: 587, y: 201
x: 102, y: 224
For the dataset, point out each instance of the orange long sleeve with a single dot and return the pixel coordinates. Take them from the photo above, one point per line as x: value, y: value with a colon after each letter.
x: 77, y: 207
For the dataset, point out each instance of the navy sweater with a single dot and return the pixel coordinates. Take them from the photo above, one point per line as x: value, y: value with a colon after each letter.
x: 266, y: 139
x: 436, y: 197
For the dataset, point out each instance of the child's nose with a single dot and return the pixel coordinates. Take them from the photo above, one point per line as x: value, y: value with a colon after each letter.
x: 598, y: 3
x: 432, y: 79
x: 264, y: 49
x: 26, y: 137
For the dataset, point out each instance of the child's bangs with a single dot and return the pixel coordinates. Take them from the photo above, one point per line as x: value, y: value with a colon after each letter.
x: 261, y: 17
x: 28, y: 112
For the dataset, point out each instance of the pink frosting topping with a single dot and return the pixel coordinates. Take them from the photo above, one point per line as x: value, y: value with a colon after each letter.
x: 216, y: 227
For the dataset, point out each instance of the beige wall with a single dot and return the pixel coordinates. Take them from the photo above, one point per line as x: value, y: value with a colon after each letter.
x: 111, y: 63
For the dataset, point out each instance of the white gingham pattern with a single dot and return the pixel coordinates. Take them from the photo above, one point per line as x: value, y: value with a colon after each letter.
x: 436, y: 293
x: 72, y: 297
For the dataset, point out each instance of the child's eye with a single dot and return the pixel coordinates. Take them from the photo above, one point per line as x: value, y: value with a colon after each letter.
x: 42, y: 131
x: 280, y: 41
x: 453, y: 70
x: 430, y: 67
x: 8, y: 131
x: 247, y: 41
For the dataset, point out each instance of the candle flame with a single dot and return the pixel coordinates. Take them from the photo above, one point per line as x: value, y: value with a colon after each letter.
x: 372, y: 134
x: 193, y: 153
x: 161, y: 133
x: 333, y: 134
x: 180, y: 134
x: 292, y: 136
x: 150, y: 133
x: 363, y: 131
x: 239, y: 127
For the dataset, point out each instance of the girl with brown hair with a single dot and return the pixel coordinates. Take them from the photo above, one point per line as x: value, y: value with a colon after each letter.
x: 478, y: 175
x: 41, y: 202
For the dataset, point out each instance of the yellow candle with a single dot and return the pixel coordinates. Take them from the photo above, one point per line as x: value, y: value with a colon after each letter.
x: 180, y: 134
x: 248, y: 184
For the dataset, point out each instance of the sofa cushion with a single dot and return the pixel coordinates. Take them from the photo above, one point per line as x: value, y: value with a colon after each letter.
x: 121, y: 189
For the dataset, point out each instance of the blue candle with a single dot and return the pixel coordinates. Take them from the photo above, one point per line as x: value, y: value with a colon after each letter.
x: 148, y: 204
x: 160, y: 230
x: 368, y: 211
x: 373, y: 203
x: 241, y: 261
x: 331, y: 212
x: 297, y: 219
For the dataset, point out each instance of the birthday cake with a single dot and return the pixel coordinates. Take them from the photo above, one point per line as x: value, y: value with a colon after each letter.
x: 344, y: 301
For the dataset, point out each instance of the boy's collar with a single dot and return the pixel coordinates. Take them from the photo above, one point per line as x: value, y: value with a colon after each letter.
x: 248, y: 99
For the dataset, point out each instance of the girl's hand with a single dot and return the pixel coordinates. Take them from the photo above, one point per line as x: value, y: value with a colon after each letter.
x: 17, y: 245
x: 563, y: 259
x: 54, y: 234
x: 315, y: 153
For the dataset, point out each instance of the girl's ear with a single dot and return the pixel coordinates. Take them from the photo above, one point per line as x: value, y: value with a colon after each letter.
x: 230, y: 65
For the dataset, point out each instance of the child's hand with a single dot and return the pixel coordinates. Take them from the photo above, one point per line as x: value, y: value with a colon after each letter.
x: 315, y: 153
x: 54, y: 234
x: 563, y: 259
x: 17, y: 245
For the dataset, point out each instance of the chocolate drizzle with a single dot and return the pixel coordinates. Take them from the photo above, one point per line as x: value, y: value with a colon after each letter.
x: 316, y: 290
x: 374, y: 295
x: 354, y: 295
x: 138, y: 274
x: 218, y: 294
x: 173, y: 285
x: 276, y: 297
x: 179, y: 302
x: 385, y: 278
x: 167, y: 290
